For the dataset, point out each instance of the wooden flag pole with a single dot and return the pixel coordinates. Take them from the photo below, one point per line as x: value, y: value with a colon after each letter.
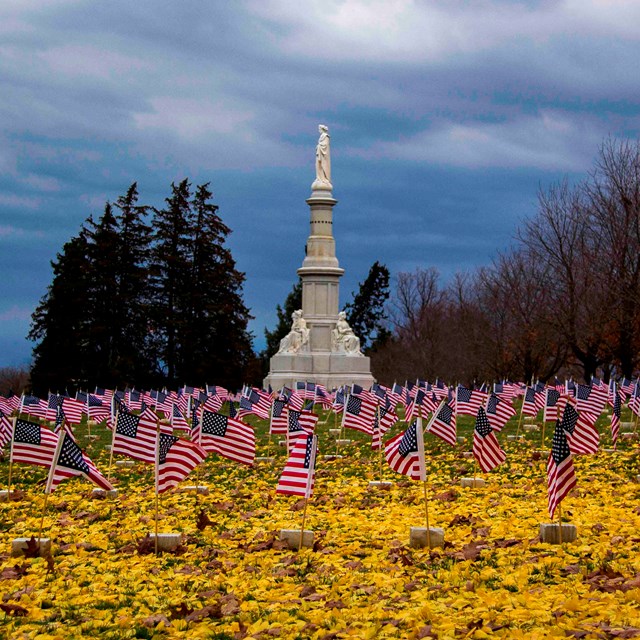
x: 156, y: 480
x: 44, y: 509
x: 544, y: 424
x: 380, y: 441
x: 113, y: 439
x: 312, y: 470
x: 423, y: 470
x: 13, y: 431
x: 426, y: 513
x: 520, y: 420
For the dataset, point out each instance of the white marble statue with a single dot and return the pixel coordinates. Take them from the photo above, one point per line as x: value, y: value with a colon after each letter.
x: 323, y: 160
x: 343, y: 340
x: 297, y: 339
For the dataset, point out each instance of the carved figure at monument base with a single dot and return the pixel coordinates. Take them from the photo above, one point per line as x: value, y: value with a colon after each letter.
x: 298, y: 337
x: 343, y: 339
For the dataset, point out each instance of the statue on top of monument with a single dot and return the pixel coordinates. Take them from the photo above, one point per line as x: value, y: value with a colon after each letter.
x: 323, y: 160
x: 343, y: 340
x: 298, y: 337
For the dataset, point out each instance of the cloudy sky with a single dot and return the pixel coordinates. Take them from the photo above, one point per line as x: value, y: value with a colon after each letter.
x: 446, y: 117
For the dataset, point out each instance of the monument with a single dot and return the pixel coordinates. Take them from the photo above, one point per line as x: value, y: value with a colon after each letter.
x: 321, y: 346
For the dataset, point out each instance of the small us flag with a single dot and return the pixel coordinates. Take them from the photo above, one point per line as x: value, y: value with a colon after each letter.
x: 401, y: 452
x: 298, y: 475
x: 177, y: 457
x: 561, y: 477
x: 33, y: 444
x: 228, y: 437
x: 486, y: 449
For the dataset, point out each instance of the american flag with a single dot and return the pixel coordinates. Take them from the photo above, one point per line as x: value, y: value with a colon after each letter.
x: 402, y: 452
x: 338, y: 401
x: 33, y: 444
x: 385, y: 418
x: 96, y: 410
x: 626, y: 386
x: 322, y: 397
x: 306, y: 390
x: 11, y: 402
x: 176, y: 459
x: 178, y: 421
x: 278, y: 422
x: 300, y: 422
x: 561, y: 477
x: 52, y: 406
x: 34, y: 406
x: 443, y: 423
x: 421, y: 405
x: 402, y: 393
x: 221, y: 392
x: 469, y: 401
x: 73, y: 410
x: 486, y: 449
x: 213, y: 403
x: 298, y: 475
x: 615, y: 416
x: 441, y: 390
x: 134, y: 400
x: 228, y: 437
x: 591, y: 399
x: 135, y: 436
x: 634, y: 403
x: 70, y: 461
x: 257, y: 402
x: 499, y: 411
x: 6, y: 429
x: 529, y: 403
x: 359, y: 413
x: 579, y: 429
x: 550, y: 405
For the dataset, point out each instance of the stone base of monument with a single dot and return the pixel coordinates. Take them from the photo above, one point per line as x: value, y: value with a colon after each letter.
x: 461, y: 439
x: 550, y: 533
x: 335, y: 432
x: 335, y: 456
x: 192, y: 488
x: 4, y: 495
x: 266, y: 459
x: 380, y: 484
x: 292, y: 538
x: 330, y: 369
x: 19, y: 547
x: 418, y: 537
x: 126, y: 464
x: 515, y: 438
x: 342, y: 443
x: 472, y: 483
x: 531, y: 427
x: 167, y: 541
x: 104, y: 493
x: 467, y: 454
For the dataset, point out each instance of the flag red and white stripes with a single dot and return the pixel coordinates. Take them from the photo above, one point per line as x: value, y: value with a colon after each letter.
x: 561, y: 477
x: 69, y: 461
x: 405, y: 452
x: 443, y: 423
x: 176, y: 459
x: 486, y: 449
x: 359, y: 413
x: 33, y: 444
x: 298, y: 475
x: 228, y: 437
x: 135, y: 436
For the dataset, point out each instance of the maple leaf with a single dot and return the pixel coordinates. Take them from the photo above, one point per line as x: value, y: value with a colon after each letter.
x: 32, y: 548
x: 203, y: 521
x: 14, y: 609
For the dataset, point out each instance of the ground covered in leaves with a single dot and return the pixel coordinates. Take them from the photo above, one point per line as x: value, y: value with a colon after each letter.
x: 233, y: 578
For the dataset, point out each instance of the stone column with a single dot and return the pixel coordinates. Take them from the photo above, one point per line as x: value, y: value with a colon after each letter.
x: 320, y: 272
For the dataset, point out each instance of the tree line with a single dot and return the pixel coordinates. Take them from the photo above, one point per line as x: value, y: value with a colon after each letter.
x: 564, y: 299
x: 146, y: 296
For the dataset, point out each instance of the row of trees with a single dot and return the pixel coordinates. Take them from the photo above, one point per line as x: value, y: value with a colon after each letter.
x: 144, y: 296
x: 564, y: 299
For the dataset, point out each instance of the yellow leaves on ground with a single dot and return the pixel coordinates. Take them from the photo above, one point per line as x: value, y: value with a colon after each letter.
x: 232, y: 579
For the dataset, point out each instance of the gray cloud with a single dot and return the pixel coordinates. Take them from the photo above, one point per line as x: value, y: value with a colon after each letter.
x: 445, y: 118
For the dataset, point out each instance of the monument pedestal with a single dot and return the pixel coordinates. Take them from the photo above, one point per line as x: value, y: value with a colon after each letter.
x: 329, y: 369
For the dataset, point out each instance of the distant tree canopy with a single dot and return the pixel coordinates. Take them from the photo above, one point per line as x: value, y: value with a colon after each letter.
x: 564, y: 299
x: 144, y: 297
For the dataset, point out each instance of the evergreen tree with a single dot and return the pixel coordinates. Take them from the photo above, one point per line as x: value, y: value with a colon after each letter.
x: 171, y: 267
x: 366, y: 313
x: 132, y: 358
x: 292, y: 302
x: 215, y: 344
x: 60, y: 323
